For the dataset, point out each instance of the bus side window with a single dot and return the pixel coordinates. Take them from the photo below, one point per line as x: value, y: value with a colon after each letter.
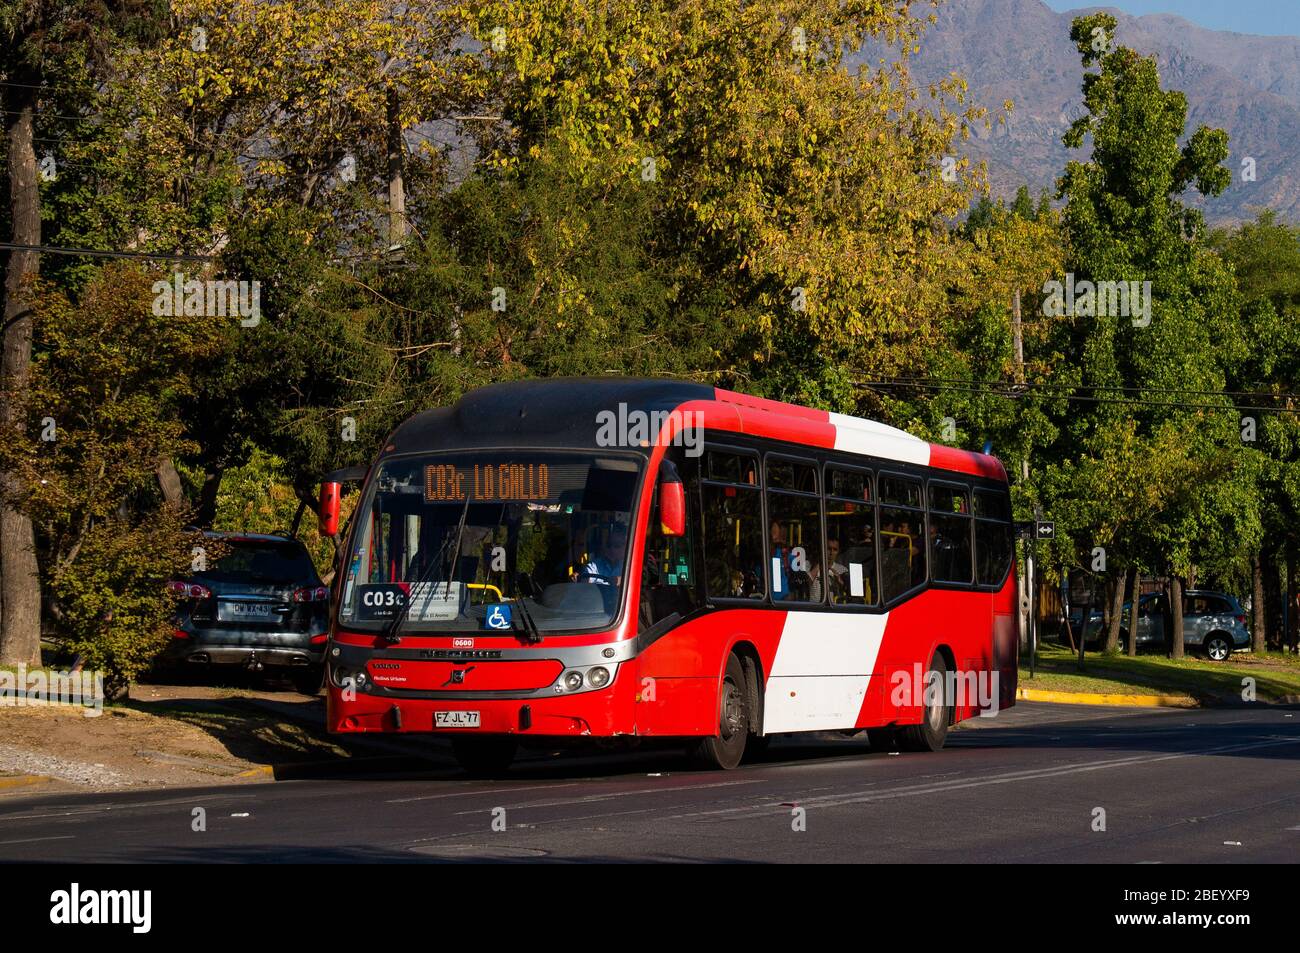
x: 795, y: 557
x: 850, y: 538
x: 950, y: 533
x: 669, y: 581
x: 902, y: 536
x: 994, y: 536
x: 732, y: 528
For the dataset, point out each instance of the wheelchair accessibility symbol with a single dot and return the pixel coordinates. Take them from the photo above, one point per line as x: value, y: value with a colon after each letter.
x: 497, y: 616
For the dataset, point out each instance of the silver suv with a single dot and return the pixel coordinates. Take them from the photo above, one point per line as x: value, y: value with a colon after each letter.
x: 1214, y: 621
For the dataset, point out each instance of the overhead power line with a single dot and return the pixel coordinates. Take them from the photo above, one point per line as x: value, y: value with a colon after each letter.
x: 1012, y: 392
x: 103, y: 252
x: 1027, y: 385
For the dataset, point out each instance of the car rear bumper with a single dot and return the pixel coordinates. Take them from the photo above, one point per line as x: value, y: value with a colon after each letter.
x: 243, y: 655
x: 290, y: 649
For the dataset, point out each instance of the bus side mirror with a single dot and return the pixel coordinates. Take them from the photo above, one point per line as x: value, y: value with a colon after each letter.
x: 672, y: 507
x: 329, y: 509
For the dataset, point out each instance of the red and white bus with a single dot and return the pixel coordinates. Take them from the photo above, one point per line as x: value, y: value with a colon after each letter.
x: 606, y: 557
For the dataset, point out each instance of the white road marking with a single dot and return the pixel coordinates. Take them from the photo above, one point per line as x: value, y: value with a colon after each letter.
x: 1011, y: 777
x: 469, y: 793
x: 32, y: 840
x: 204, y: 798
x: 592, y: 798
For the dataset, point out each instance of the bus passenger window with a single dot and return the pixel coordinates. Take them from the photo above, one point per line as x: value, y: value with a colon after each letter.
x: 850, y: 538
x: 950, y: 533
x: 733, y: 533
x: 795, y: 558
x: 902, y: 537
x: 994, y: 534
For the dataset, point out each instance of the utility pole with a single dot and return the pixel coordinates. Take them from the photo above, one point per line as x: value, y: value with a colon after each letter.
x: 396, y: 185
x: 1031, y: 546
x: 1018, y: 337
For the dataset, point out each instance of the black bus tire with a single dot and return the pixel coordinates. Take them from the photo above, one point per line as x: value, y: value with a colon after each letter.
x: 725, y: 749
x: 931, y: 733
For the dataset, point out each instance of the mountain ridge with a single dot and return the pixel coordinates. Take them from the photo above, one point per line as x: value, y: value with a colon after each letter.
x: 1020, y: 50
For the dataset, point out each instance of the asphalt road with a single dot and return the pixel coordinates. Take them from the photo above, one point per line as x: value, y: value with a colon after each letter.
x: 1201, y: 786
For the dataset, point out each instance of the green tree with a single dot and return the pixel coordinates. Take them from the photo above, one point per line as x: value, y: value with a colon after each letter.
x: 98, y: 415
x: 45, y: 45
x: 1126, y: 224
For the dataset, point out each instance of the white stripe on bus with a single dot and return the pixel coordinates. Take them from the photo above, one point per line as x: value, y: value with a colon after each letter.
x: 822, y: 668
x: 888, y: 446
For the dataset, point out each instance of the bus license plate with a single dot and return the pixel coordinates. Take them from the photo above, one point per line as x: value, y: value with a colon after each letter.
x: 455, y: 719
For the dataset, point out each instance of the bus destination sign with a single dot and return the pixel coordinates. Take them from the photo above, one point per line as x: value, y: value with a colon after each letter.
x: 487, y: 483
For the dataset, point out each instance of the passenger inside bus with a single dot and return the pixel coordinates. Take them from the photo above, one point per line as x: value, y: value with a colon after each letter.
x: 781, y: 561
x: 861, y: 552
x: 839, y: 573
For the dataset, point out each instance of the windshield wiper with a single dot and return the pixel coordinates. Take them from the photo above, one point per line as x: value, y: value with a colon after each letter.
x: 531, y: 633
x: 390, y: 631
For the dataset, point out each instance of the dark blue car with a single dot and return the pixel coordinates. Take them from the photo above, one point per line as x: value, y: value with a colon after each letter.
x: 259, y: 603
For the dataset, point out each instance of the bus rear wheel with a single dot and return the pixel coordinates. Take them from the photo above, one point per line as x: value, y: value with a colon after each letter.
x: 931, y: 733
x: 484, y: 756
x: 725, y: 749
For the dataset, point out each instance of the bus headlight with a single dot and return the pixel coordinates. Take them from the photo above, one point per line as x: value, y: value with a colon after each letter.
x: 573, y: 681
x: 598, y: 676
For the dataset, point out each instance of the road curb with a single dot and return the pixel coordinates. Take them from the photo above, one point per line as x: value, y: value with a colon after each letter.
x: 23, y: 780
x: 1095, y: 698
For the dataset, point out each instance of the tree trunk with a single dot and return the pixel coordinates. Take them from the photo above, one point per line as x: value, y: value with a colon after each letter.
x: 1176, y: 611
x: 1292, y: 622
x: 1116, y: 584
x: 20, y: 587
x: 1133, y: 584
x: 169, y: 482
x: 1257, y: 627
x: 207, y: 508
x: 1272, y: 602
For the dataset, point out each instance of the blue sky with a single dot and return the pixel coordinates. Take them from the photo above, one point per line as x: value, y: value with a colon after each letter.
x: 1270, y: 17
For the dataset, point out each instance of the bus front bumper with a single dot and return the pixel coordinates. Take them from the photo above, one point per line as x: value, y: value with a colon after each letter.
x: 602, y: 713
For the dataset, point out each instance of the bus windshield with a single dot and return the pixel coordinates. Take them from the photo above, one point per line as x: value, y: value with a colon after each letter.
x: 454, y: 542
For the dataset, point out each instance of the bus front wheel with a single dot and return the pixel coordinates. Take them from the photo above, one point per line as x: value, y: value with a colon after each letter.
x: 931, y: 733
x: 725, y: 749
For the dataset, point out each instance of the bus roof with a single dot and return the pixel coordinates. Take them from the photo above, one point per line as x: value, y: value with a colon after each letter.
x: 564, y: 413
